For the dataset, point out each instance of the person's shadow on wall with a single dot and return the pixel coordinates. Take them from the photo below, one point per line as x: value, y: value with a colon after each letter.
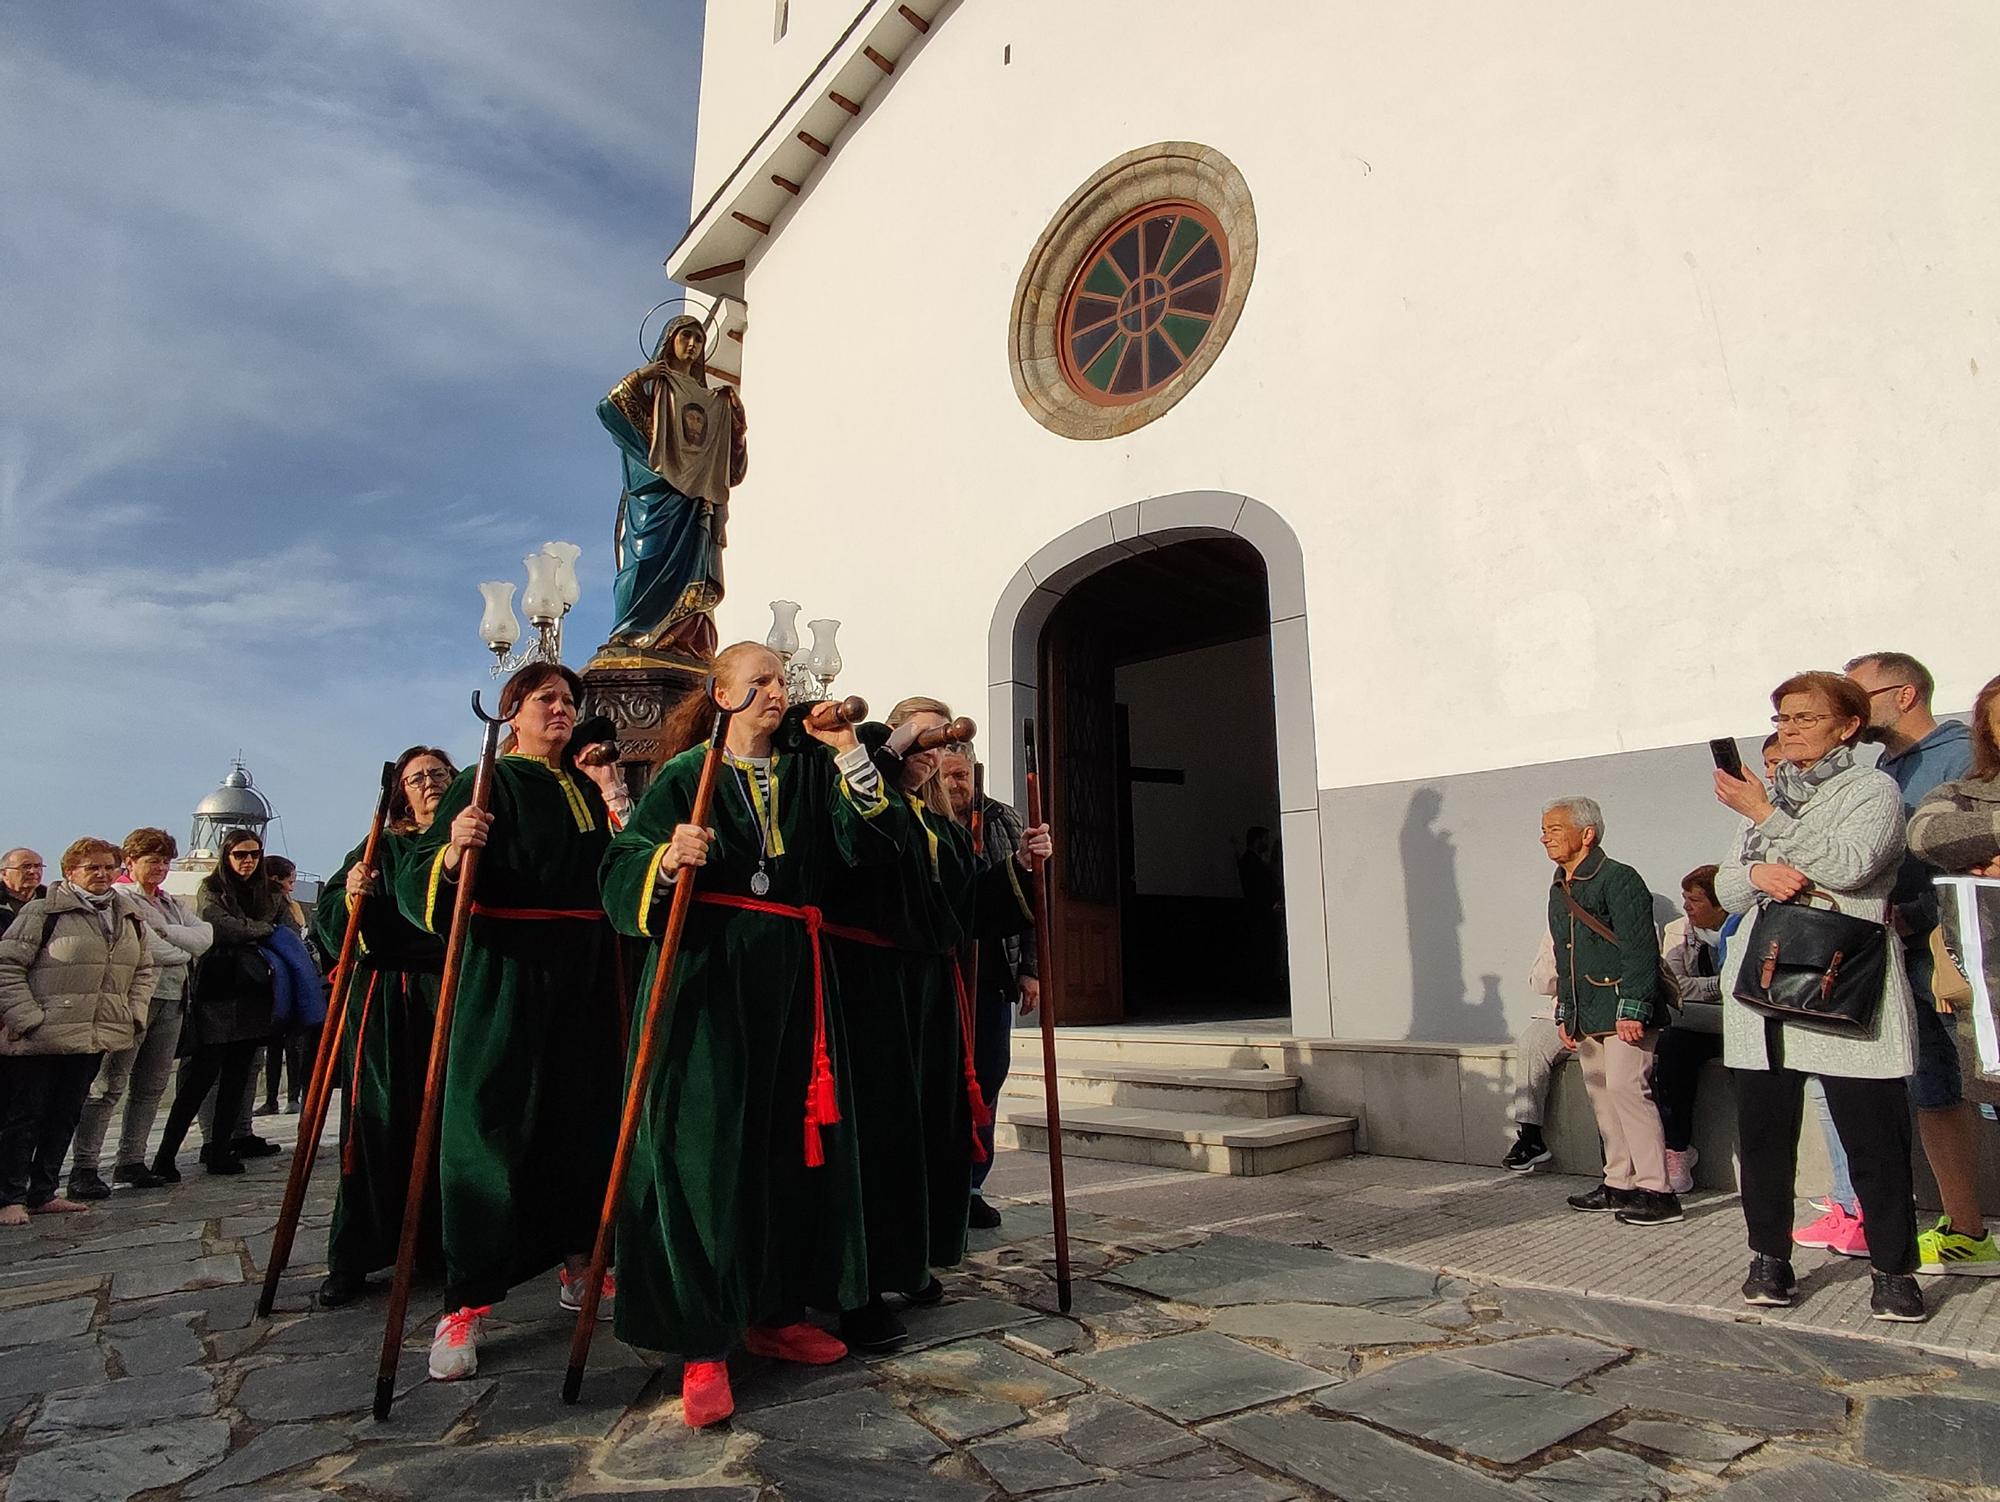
x: 1434, y: 914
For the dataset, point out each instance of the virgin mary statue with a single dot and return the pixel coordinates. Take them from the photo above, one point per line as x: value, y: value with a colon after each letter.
x: 682, y: 444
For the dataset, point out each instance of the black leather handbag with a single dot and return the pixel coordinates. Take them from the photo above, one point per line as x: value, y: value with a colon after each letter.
x: 1813, y: 965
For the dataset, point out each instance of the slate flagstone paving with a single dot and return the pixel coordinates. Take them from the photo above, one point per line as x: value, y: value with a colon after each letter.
x: 1201, y: 1362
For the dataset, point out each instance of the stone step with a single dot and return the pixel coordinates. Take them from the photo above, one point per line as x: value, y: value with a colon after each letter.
x: 1254, y: 1093
x: 1164, y: 1047
x: 1176, y: 1139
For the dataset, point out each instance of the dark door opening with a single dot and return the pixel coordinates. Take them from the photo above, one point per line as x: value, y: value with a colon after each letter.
x: 1157, y: 691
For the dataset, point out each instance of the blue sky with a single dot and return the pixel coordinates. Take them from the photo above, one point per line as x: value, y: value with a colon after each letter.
x: 304, y: 313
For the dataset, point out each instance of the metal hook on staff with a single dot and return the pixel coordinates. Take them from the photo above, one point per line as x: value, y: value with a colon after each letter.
x: 427, y: 1124
x: 652, y: 1026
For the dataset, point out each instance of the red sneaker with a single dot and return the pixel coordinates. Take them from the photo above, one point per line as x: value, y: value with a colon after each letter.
x: 705, y: 1395
x: 806, y: 1344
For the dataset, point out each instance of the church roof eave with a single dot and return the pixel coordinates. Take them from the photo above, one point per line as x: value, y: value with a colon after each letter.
x: 728, y: 232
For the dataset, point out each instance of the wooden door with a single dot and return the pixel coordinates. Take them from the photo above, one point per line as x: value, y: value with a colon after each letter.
x: 1078, y: 709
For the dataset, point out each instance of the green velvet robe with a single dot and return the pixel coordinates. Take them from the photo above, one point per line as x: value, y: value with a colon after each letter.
x: 385, y: 1046
x: 913, y: 1112
x: 531, y: 1097
x: 722, y: 1225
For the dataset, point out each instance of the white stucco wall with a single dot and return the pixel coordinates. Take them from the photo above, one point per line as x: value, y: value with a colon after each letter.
x: 1607, y: 365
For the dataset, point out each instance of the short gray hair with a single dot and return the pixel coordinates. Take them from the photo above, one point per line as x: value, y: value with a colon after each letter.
x: 1583, y: 813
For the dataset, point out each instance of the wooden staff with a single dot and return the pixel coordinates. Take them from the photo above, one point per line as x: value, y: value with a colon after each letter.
x: 1045, y: 958
x: 956, y: 733
x: 427, y: 1124
x: 976, y: 824
x: 319, y: 1089
x: 652, y: 1027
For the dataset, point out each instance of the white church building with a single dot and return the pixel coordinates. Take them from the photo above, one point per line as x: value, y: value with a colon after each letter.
x: 1363, y: 422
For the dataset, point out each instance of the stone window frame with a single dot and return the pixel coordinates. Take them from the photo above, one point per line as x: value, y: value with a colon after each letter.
x: 1166, y: 172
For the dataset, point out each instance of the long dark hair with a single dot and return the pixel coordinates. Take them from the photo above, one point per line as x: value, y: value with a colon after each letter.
x: 246, y: 896
x: 402, y: 817
x: 1985, y: 749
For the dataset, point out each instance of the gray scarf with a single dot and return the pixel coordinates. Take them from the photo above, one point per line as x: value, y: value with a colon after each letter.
x: 103, y: 905
x: 1792, y: 788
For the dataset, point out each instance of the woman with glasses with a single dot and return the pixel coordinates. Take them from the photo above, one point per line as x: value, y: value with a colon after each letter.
x: 1833, y: 829
x: 76, y: 979
x: 385, y: 1034
x: 229, y: 1015
x: 531, y: 1097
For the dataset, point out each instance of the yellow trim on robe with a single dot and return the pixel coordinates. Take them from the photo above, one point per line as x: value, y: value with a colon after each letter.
x: 646, y: 892
x: 360, y: 940
x: 579, y: 810
x: 431, y: 892
x: 775, y: 835
x: 917, y: 807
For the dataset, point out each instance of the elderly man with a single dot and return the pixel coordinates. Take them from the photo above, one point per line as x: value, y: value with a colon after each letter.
x: 20, y: 882
x: 1922, y: 754
x: 1608, y: 1008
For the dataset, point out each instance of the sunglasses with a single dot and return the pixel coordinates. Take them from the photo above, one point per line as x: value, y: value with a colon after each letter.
x: 245, y: 855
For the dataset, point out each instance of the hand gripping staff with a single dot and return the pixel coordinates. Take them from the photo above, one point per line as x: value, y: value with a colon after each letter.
x: 651, y: 1027
x: 1045, y: 954
x: 427, y: 1124
x: 319, y: 1089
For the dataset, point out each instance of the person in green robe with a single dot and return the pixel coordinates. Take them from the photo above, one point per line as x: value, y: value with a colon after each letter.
x: 530, y: 1111
x: 385, y: 1042
x: 681, y: 442
x: 917, y: 1099
x: 742, y: 1206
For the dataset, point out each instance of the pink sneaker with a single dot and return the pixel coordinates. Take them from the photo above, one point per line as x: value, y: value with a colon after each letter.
x: 1837, y: 1232
x: 1680, y: 1169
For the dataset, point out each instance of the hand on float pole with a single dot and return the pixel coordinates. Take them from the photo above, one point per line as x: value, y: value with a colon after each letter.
x: 427, y: 1123
x: 319, y: 1089
x: 1045, y: 959
x: 651, y: 1026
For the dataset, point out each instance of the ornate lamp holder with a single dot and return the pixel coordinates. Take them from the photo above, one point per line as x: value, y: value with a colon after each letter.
x: 809, y: 675
x: 552, y: 590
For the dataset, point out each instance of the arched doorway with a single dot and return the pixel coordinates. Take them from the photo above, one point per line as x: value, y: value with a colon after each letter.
x: 1161, y: 651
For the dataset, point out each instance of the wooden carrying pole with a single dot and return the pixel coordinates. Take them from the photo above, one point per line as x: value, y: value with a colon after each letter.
x: 651, y: 1027
x: 427, y: 1124
x: 1045, y: 961
x: 319, y: 1090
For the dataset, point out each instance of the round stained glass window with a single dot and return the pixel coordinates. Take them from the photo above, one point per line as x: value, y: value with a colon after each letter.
x: 1142, y: 302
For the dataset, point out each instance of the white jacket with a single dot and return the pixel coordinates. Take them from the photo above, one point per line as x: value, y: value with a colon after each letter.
x: 175, y: 939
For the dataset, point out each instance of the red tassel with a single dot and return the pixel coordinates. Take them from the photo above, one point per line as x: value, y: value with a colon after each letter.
x: 826, y: 1103
x: 815, y: 1154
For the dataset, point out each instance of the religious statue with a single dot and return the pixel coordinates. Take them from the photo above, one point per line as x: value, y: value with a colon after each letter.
x: 683, y: 449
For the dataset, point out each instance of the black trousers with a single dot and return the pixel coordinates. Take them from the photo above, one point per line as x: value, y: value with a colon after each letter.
x: 224, y: 1066
x: 41, y: 1101
x: 1677, y: 1065
x: 1873, y: 1119
x: 291, y: 1054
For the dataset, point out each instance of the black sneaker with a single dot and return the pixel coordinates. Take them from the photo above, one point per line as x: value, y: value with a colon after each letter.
x: 1897, y: 1298
x: 982, y: 1216
x: 341, y: 1288
x: 85, y: 1184
x: 137, y: 1176
x: 1770, y: 1284
x: 165, y: 1172
x: 1527, y: 1154
x: 931, y: 1293
x: 253, y: 1147
x: 224, y: 1163
x: 1650, y: 1209
x: 872, y: 1328
x: 1600, y: 1200
x: 269, y: 1108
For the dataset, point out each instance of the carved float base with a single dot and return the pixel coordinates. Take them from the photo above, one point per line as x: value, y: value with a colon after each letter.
x: 638, y: 698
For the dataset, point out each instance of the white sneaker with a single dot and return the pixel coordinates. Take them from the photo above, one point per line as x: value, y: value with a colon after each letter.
x: 571, y: 1294
x: 1680, y: 1169
x: 455, y: 1347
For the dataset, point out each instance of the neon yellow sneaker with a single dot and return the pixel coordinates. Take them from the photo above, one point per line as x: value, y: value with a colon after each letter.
x: 1943, y: 1250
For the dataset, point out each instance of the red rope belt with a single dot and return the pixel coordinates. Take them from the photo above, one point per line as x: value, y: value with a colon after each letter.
x: 822, y: 1105
x: 982, y: 1113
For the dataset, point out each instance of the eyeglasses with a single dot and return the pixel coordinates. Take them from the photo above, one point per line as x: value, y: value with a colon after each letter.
x: 1888, y: 688
x: 438, y: 778
x: 98, y: 870
x: 25, y: 866
x: 1803, y: 721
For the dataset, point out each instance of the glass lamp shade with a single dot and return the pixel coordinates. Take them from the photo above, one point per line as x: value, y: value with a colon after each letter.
x: 497, y: 627
x: 784, y: 637
x: 542, y: 599
x: 824, y: 659
x: 565, y: 554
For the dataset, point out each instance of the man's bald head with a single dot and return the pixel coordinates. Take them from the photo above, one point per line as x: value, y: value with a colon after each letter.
x: 21, y: 871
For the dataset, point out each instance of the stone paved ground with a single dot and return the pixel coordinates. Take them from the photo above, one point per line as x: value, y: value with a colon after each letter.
x: 1218, y: 1363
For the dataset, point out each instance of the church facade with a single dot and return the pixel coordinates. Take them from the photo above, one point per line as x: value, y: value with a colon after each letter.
x: 1360, y: 423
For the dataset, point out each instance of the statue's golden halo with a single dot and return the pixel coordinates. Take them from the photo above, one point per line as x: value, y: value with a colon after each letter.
x: 645, y: 345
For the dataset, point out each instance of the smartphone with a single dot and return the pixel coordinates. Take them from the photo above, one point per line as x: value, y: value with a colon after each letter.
x: 1727, y: 757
